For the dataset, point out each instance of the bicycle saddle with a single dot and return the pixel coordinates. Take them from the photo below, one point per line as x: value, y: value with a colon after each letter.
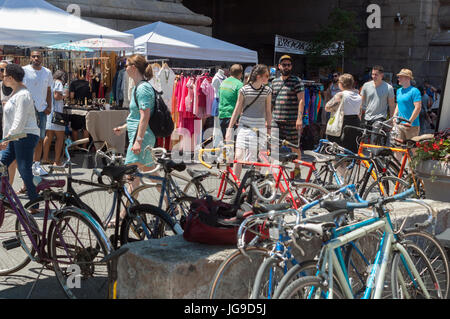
x: 116, y: 173
x: 200, y: 175
x: 46, y: 184
x: 287, y: 157
x: 334, y: 205
x: 261, y: 208
x: 319, y: 158
x: 170, y: 165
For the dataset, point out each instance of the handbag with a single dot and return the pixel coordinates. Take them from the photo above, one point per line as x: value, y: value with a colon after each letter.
x: 60, y: 118
x: 336, y: 121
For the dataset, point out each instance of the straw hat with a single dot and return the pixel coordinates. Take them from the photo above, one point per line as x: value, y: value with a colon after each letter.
x: 406, y: 72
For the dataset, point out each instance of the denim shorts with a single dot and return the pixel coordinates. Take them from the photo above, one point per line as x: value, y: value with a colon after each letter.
x: 42, y: 124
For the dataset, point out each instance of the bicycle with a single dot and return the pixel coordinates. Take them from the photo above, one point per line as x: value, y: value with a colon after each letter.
x: 70, y: 239
x: 405, y: 278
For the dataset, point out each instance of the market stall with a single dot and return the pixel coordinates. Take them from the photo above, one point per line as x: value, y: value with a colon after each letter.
x: 190, y: 92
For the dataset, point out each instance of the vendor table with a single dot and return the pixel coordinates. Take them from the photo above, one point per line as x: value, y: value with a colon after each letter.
x: 100, y: 124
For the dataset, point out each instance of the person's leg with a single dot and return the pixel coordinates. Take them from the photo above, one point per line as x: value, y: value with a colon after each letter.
x: 59, y: 147
x: 12, y: 172
x: 42, y: 127
x: 240, y: 156
x: 47, y: 143
x: 24, y: 162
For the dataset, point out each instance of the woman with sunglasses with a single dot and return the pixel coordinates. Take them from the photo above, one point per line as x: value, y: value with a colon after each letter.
x: 19, y: 116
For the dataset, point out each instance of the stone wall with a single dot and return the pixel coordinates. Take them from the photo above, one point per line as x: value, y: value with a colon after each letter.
x: 126, y: 15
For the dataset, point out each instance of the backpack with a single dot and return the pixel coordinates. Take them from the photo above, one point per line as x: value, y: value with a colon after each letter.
x: 160, y: 122
x: 214, y: 222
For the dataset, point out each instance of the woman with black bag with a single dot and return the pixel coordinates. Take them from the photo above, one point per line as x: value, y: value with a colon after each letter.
x: 55, y: 119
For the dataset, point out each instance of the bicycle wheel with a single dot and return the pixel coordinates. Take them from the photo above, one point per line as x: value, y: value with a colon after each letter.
x: 14, y: 244
x: 303, y: 193
x: 235, y: 276
x: 308, y: 287
x: 149, y: 194
x: 147, y: 222
x: 213, y: 186
x: 359, y: 256
x: 435, y: 253
x: 179, y: 209
x: 389, y: 184
x: 77, y: 244
x: 404, y: 283
x: 271, y: 273
x: 101, y: 201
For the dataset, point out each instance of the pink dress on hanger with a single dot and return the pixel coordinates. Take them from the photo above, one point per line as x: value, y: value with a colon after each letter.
x: 189, y: 102
x: 209, y: 92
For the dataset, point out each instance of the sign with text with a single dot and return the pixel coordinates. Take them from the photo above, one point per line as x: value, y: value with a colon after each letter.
x: 288, y: 45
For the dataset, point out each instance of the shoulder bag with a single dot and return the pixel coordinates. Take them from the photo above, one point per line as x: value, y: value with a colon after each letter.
x: 334, y: 125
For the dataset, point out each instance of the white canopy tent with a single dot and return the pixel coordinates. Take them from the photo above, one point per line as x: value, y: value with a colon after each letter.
x: 36, y: 23
x: 165, y: 40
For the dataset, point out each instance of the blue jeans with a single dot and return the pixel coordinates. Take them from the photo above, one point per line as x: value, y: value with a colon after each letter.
x: 22, y: 151
x: 42, y: 123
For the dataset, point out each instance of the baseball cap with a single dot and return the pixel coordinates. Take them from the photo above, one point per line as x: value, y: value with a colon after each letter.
x: 406, y: 72
x: 285, y: 57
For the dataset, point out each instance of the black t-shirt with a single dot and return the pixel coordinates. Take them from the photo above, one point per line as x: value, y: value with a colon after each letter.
x: 81, y: 89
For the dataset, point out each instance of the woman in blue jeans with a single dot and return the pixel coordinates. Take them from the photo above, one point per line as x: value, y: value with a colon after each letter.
x: 19, y: 117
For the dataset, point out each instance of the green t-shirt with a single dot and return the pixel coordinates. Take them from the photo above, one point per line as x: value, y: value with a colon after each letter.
x: 228, y: 95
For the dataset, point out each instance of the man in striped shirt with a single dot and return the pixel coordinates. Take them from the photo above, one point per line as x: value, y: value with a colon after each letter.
x: 288, y: 102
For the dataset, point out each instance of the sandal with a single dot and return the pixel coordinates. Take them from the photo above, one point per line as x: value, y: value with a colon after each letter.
x: 22, y: 191
x: 34, y: 211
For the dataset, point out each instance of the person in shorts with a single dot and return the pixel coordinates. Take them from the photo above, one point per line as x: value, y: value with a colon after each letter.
x: 409, y: 104
x: 288, y: 102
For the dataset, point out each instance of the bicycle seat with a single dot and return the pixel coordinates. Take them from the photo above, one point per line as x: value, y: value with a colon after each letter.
x: 170, y: 165
x: 422, y: 138
x: 287, y: 157
x: 334, y: 205
x: 319, y: 158
x: 261, y: 208
x: 381, y: 152
x: 116, y: 173
x: 46, y: 184
x: 198, y: 175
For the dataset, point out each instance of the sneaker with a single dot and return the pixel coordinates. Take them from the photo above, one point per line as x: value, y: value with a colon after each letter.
x: 38, y: 170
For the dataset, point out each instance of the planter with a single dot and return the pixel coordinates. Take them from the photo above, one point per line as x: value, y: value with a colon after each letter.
x: 436, y: 177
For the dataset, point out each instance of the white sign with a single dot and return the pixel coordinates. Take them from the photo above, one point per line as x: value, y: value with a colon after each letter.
x: 288, y: 45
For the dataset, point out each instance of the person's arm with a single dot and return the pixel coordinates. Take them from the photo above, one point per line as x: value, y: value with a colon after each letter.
x: 333, y: 104
x: 236, y: 113
x: 268, y: 112
x: 391, y: 103
x: 301, y: 109
x: 20, y: 115
x: 143, y: 123
x: 48, y: 110
x: 416, y: 112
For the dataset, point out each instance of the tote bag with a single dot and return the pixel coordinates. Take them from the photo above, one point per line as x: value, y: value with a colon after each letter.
x: 334, y: 125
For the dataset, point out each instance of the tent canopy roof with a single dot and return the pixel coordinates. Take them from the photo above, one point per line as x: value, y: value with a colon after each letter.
x: 166, y: 40
x: 38, y: 23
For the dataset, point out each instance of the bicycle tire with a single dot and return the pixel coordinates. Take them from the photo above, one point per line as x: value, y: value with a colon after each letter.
x: 148, y: 194
x: 147, y: 221
x: 68, y: 246
x: 266, y: 284
x: 388, y: 183
x: 235, y: 275
x: 427, y: 274
x: 13, y: 257
x: 180, y: 208
x: 211, y: 185
x: 295, y: 289
x: 437, y: 255
x: 100, y: 200
x: 303, y: 193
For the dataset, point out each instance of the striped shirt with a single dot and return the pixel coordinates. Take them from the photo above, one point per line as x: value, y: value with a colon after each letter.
x: 258, y: 108
x: 284, y: 98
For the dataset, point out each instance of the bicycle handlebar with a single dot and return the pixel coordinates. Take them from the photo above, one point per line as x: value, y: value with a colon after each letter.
x: 364, y: 130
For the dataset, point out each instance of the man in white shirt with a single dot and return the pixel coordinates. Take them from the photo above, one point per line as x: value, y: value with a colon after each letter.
x: 38, y: 80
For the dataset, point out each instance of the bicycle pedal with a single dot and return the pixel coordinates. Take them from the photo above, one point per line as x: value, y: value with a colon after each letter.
x: 11, y: 244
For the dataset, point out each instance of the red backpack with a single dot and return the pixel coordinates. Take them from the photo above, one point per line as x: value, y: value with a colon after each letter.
x: 214, y: 222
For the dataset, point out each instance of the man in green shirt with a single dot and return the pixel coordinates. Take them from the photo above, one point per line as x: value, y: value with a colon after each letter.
x: 228, y: 95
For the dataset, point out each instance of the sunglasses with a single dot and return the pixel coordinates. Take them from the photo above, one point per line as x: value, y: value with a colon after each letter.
x: 2, y: 70
x: 285, y: 65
